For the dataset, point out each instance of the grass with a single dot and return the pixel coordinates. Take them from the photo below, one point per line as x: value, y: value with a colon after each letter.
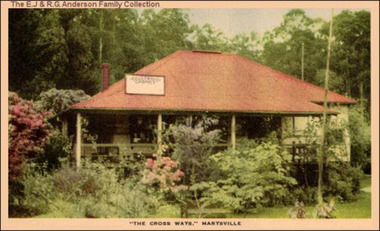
x: 357, y: 209
x: 366, y: 183
x: 361, y: 208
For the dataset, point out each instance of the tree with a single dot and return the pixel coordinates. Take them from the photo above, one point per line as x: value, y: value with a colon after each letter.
x: 37, y: 53
x: 322, y: 148
x: 245, y: 45
x: 159, y: 42
x: 283, y: 46
x: 116, y: 39
x: 80, y: 71
x: 351, y: 58
x: 50, y: 48
x: 206, y: 37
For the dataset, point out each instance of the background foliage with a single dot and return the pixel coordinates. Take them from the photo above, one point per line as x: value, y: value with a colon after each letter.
x: 64, y: 48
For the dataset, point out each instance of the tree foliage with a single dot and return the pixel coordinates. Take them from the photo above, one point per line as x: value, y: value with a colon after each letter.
x: 159, y: 42
x: 351, y: 54
x: 206, y: 37
x: 282, y: 46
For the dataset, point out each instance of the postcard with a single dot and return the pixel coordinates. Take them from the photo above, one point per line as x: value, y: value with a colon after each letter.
x: 168, y: 115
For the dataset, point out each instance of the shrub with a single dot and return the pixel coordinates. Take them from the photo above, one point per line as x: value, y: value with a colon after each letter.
x: 38, y: 192
x: 163, y: 173
x: 56, y: 151
x: 60, y: 208
x: 342, y: 181
x: 307, y: 195
x: 360, y: 134
x: 131, y: 164
x: 75, y: 184
x: 191, y: 147
x: 163, y: 178
x: 249, y: 178
x: 126, y: 200
x: 28, y: 132
x: 58, y: 101
x: 93, y: 191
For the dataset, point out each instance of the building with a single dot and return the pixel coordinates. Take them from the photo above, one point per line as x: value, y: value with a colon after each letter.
x: 187, y: 84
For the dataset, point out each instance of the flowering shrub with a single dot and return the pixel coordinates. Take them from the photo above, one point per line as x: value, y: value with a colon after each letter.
x: 191, y: 147
x: 164, y: 173
x: 28, y: 132
x: 60, y: 100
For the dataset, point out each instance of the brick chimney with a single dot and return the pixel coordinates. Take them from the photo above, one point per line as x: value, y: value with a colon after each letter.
x: 106, y: 76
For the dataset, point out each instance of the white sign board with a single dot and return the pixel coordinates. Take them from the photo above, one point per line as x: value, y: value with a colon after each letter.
x: 145, y: 85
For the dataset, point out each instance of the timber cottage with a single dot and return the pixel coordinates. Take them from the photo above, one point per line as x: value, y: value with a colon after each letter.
x: 130, y: 114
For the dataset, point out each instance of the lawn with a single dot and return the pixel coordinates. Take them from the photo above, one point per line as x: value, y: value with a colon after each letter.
x: 361, y: 208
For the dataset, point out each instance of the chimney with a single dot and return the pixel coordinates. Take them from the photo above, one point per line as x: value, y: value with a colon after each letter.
x: 106, y: 76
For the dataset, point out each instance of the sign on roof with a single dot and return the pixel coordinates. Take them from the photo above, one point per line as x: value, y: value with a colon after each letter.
x: 145, y: 85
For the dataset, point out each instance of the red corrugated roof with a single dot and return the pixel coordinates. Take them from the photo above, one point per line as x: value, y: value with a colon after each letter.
x: 209, y: 81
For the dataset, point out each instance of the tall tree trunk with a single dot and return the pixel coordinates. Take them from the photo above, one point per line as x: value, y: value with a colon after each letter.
x: 302, y: 62
x: 348, y: 83
x: 361, y: 93
x: 321, y: 153
x: 101, y: 27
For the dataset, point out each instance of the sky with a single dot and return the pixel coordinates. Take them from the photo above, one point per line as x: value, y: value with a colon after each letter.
x: 237, y: 21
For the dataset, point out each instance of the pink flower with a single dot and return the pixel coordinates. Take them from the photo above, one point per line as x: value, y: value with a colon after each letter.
x: 165, y: 160
x: 180, y: 173
x: 150, y: 163
x: 16, y: 108
x: 172, y: 163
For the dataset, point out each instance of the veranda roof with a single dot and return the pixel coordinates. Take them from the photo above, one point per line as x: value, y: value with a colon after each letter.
x: 212, y: 81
